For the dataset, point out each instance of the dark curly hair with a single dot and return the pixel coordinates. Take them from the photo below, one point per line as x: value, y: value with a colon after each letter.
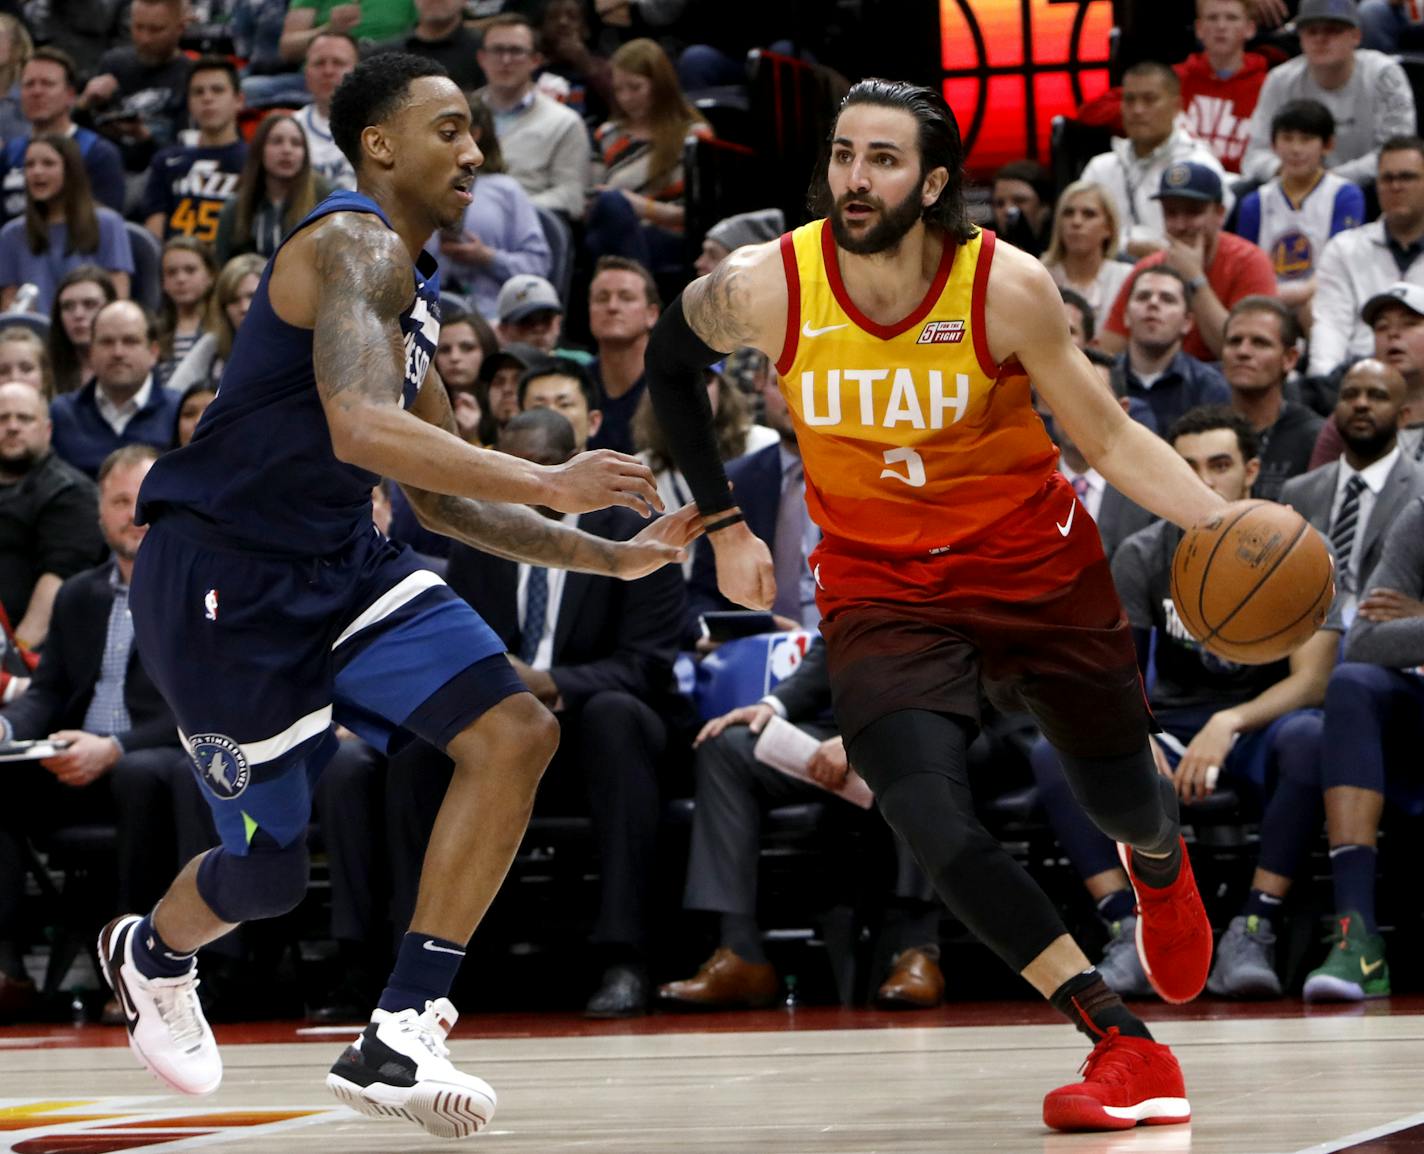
x: 940, y: 147
x: 370, y: 93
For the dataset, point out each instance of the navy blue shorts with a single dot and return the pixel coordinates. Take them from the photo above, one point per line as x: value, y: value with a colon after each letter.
x: 258, y: 655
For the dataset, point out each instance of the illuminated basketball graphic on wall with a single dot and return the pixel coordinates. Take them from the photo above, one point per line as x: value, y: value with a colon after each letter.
x: 1011, y: 66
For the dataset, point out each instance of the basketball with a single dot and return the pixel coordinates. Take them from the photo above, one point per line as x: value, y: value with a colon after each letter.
x: 1252, y: 582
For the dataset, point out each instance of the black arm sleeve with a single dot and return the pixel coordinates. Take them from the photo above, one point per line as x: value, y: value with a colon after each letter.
x: 675, y: 363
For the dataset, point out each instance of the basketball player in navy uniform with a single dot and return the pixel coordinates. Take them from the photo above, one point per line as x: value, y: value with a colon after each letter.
x: 268, y: 607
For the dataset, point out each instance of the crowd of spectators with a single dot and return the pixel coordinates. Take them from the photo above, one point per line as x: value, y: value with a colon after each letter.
x: 1243, y: 264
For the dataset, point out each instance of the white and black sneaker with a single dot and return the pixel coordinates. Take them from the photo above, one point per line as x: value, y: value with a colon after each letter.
x: 167, y: 1029
x: 400, y: 1068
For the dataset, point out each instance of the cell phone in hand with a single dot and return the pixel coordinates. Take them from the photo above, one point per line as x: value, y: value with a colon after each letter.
x: 731, y: 624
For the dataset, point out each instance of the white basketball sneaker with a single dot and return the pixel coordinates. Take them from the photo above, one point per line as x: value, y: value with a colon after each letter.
x: 167, y: 1029
x: 400, y: 1068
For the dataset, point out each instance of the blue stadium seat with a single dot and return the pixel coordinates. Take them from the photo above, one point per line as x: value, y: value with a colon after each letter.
x: 743, y: 671
x: 561, y: 251
x: 146, y: 285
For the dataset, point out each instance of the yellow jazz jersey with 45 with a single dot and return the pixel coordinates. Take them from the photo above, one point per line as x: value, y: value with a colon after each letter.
x: 912, y: 437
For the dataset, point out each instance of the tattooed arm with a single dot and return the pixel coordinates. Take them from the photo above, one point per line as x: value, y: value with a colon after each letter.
x: 363, y: 282
x: 518, y: 533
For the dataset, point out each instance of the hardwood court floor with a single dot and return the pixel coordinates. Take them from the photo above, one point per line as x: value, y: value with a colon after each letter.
x: 939, y: 1083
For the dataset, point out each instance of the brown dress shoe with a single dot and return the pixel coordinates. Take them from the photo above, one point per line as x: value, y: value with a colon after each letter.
x: 915, y: 983
x: 725, y: 982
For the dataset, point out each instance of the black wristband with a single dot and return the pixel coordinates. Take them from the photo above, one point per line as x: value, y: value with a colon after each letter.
x: 725, y: 522
x: 675, y: 365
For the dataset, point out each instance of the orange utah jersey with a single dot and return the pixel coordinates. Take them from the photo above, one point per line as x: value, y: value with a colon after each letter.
x: 913, y: 439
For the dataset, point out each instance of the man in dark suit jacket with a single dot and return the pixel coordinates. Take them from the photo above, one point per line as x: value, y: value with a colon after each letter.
x: 599, y: 652
x: 733, y: 789
x: 124, y: 761
x: 1372, y: 395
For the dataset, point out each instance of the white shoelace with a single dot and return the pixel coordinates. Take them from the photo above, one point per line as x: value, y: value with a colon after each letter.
x: 178, y: 1006
x: 431, y: 1033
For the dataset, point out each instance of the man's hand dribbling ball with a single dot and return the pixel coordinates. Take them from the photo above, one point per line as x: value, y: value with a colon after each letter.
x: 1252, y: 582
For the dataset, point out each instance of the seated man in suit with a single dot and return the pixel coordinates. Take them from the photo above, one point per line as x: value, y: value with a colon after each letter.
x: 1374, y: 728
x: 1251, y: 724
x: 771, y: 490
x: 124, y: 762
x: 599, y: 653
x: 1360, y: 503
x: 733, y: 788
x: 1372, y: 400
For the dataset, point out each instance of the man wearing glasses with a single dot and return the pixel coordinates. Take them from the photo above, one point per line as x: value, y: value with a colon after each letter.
x: 545, y: 144
x: 1360, y: 263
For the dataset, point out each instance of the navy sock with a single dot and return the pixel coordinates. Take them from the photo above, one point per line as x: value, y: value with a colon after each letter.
x: 1353, y: 869
x: 154, y: 957
x: 1260, y: 904
x: 1117, y: 905
x: 425, y: 970
x: 1086, y: 1001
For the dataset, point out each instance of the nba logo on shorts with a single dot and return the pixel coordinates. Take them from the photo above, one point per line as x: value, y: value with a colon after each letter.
x: 220, y: 763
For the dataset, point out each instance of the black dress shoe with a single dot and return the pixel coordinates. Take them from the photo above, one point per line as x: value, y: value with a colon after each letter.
x: 623, y: 993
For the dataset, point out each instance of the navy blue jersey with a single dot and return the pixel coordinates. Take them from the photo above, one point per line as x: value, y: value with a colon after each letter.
x: 260, y: 467
x: 189, y: 186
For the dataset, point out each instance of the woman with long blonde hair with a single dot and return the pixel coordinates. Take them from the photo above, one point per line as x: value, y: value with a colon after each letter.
x: 638, y: 212
x: 1081, y: 249
x: 16, y: 48
x: 232, y: 294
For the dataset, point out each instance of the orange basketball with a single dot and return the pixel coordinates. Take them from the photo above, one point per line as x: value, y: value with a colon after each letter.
x: 1253, y: 581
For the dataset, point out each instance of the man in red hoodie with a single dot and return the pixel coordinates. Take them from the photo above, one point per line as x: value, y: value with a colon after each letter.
x: 1219, y: 85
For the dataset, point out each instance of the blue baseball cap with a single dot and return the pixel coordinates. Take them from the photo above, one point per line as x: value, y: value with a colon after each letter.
x: 1189, y: 181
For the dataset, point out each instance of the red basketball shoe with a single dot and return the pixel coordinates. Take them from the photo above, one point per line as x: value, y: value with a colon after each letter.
x: 1126, y: 1082
x: 1173, y: 934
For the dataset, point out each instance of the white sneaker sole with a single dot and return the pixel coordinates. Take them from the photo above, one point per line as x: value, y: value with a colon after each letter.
x: 444, y: 1109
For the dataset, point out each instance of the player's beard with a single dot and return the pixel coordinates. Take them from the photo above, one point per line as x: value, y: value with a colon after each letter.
x: 887, y: 233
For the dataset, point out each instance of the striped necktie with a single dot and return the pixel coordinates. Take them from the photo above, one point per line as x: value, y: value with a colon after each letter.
x: 1342, y: 532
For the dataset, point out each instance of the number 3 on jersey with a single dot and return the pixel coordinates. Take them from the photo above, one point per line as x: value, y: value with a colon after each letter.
x: 914, y: 474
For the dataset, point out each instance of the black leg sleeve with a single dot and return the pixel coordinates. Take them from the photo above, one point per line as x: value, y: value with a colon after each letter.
x: 915, y: 762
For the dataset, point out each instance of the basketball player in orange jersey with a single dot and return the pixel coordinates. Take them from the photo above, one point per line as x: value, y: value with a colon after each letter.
x: 954, y: 557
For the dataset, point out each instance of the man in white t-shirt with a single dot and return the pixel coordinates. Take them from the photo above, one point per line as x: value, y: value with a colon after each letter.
x: 330, y: 56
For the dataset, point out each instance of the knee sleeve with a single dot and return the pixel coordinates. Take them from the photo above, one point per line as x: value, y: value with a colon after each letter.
x: 914, y: 761
x: 265, y: 883
x: 1126, y: 798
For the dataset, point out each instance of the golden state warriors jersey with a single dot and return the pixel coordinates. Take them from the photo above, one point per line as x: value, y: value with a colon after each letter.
x: 914, y: 439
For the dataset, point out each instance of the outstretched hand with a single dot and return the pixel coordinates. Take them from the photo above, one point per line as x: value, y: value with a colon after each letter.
x: 745, y: 574
x: 664, y: 542
x: 600, y: 478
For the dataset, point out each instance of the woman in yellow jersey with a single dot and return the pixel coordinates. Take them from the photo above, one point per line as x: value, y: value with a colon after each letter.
x: 954, y: 558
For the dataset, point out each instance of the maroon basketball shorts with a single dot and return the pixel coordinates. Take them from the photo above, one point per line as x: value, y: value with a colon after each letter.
x: 1024, y: 615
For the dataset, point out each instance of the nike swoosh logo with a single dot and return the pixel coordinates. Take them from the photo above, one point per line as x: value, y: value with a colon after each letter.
x: 1368, y: 968
x: 1068, y: 524
x: 808, y: 331
x: 434, y: 949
